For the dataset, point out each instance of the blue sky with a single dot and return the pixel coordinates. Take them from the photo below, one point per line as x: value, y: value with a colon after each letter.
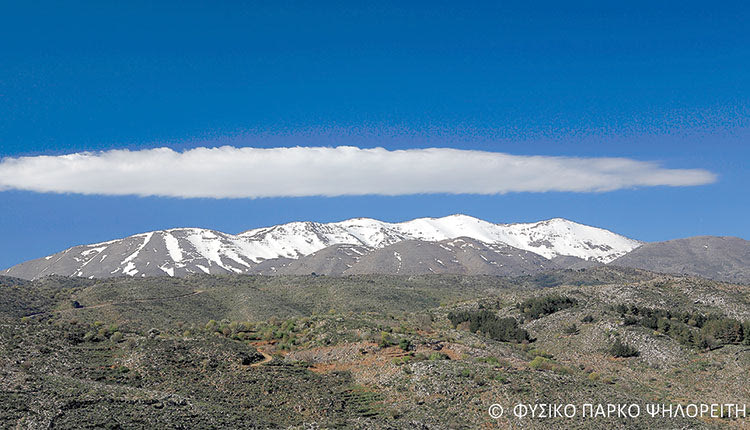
x: 667, y: 83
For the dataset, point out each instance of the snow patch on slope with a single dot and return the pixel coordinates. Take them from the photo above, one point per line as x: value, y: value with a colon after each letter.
x: 173, y: 247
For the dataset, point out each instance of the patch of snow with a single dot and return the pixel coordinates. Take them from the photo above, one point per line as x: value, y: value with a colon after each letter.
x: 173, y: 247
x: 168, y: 270
x: 131, y: 257
x: 130, y: 269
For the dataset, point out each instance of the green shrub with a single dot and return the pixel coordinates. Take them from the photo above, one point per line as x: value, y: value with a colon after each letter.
x: 398, y: 361
x: 543, y: 363
x: 689, y: 328
x: 540, y: 353
x: 621, y: 349
x: 385, y: 340
x: 486, y: 322
x: 404, y: 344
x: 436, y: 356
x: 500, y: 377
x: 537, y: 307
x: 494, y: 361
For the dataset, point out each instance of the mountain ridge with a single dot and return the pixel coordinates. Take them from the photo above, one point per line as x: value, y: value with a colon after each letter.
x: 724, y: 258
x: 181, y: 251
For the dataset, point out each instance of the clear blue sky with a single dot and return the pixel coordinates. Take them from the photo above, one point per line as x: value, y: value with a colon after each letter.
x: 656, y: 81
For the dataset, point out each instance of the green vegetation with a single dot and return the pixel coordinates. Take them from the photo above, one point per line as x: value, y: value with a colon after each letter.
x: 405, y: 344
x: 537, y: 307
x: 436, y: 356
x: 693, y: 329
x: 543, y: 363
x: 486, y: 322
x: 385, y: 340
x: 588, y: 319
x: 621, y: 349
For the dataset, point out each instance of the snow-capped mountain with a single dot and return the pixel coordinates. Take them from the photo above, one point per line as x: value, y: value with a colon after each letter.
x: 181, y: 251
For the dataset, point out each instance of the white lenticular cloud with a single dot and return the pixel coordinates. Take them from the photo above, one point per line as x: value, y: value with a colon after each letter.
x: 230, y: 172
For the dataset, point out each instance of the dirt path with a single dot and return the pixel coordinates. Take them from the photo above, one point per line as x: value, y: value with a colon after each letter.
x: 266, y: 358
x: 102, y: 305
x: 261, y: 346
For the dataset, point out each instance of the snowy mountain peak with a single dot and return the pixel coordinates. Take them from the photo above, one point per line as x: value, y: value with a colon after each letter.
x: 180, y: 251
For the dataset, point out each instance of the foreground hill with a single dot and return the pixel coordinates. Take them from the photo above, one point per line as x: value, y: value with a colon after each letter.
x: 182, y: 251
x: 369, y: 351
x: 721, y: 258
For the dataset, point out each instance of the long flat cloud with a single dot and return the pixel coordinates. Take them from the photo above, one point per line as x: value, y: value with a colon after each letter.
x: 230, y: 172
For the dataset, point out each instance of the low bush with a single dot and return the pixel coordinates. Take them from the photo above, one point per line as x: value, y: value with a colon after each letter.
x: 621, y: 349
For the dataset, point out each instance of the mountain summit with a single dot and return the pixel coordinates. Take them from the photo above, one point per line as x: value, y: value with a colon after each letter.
x: 181, y: 251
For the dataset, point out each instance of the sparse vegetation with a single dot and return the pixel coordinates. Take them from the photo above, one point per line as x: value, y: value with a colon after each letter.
x: 154, y: 361
x: 543, y: 363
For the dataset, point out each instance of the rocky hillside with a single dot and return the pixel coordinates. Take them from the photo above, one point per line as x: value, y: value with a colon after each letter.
x: 369, y: 351
x: 414, y: 257
x: 721, y: 258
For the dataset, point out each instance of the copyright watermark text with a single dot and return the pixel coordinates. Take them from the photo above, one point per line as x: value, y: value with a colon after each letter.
x: 619, y: 410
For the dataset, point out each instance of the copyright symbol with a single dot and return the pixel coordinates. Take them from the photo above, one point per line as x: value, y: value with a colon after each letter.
x: 496, y: 411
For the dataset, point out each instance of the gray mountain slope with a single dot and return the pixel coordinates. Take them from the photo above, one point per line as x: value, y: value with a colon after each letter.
x: 272, y: 266
x: 160, y: 253
x: 457, y: 256
x: 714, y: 257
x: 333, y: 260
x: 575, y: 263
